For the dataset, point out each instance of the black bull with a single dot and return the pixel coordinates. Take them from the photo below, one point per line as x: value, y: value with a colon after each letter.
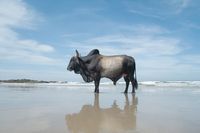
x: 95, y: 66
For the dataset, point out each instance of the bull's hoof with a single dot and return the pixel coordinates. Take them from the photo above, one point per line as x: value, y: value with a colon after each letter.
x: 125, y: 92
x: 133, y: 92
x: 96, y: 91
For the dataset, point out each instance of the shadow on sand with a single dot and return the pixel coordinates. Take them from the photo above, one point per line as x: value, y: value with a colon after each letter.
x: 94, y: 119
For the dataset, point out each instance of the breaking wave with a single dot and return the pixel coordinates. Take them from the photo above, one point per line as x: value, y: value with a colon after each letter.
x: 143, y: 83
x: 171, y: 83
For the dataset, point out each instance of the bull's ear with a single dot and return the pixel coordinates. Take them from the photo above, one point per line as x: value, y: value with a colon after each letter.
x: 80, y: 61
x: 77, y: 53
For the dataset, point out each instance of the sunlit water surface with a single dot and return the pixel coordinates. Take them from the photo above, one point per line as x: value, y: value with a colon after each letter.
x: 76, y: 109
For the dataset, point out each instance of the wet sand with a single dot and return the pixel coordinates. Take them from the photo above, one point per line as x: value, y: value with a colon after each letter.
x: 76, y: 109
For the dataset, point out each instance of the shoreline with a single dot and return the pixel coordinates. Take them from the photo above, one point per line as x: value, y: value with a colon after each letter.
x: 142, y: 83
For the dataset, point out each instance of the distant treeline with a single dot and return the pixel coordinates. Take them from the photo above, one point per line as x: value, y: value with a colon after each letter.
x: 26, y: 81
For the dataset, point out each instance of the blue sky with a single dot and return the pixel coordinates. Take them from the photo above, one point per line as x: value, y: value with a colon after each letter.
x: 37, y: 38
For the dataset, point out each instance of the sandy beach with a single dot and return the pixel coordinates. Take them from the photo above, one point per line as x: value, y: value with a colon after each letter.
x: 76, y: 109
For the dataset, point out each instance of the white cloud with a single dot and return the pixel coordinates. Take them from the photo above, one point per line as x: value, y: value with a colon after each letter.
x: 143, y: 40
x: 192, y: 59
x: 35, y: 46
x: 17, y: 14
x: 145, y: 29
x: 169, y: 8
x: 145, y: 14
x: 179, y: 5
x: 192, y: 25
x: 140, y: 44
x: 86, y: 11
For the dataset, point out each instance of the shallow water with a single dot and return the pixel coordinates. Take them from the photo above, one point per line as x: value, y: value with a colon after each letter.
x: 76, y: 109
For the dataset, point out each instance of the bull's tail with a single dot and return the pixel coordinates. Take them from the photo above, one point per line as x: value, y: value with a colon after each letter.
x: 135, y: 78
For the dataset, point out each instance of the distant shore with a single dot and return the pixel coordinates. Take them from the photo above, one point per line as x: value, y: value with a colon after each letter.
x: 29, y: 81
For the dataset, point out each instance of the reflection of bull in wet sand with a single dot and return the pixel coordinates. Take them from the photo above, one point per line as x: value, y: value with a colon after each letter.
x: 93, y: 119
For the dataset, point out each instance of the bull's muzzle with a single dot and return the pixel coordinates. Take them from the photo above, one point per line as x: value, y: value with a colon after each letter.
x: 69, y: 68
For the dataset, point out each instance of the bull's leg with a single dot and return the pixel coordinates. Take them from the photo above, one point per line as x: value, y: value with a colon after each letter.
x: 127, y: 84
x: 133, y: 83
x: 96, y: 82
x: 133, y: 86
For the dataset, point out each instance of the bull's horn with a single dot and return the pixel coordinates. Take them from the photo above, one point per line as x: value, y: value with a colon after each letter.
x: 77, y: 54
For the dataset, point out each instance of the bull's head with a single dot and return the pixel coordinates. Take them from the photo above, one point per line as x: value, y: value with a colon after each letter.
x: 74, y: 64
x: 77, y: 65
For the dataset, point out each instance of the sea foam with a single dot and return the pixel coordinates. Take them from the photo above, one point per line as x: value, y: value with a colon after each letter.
x: 142, y: 83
